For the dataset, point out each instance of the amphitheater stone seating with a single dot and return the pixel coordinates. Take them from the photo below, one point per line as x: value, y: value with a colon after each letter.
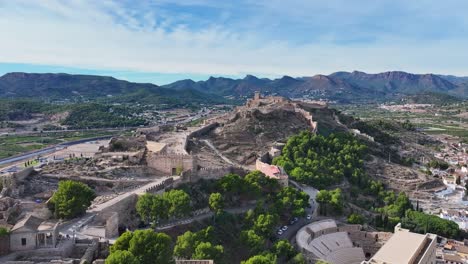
x: 350, y: 255
x: 324, y: 240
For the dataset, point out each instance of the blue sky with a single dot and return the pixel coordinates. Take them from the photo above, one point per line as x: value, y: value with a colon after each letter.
x: 161, y: 41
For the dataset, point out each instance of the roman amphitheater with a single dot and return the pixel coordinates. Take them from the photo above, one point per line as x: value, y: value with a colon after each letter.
x: 338, y: 244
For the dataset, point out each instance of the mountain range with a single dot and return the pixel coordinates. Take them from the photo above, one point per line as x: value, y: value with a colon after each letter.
x: 339, y: 86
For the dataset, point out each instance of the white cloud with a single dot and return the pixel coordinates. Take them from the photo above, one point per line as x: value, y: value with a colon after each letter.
x: 105, y: 35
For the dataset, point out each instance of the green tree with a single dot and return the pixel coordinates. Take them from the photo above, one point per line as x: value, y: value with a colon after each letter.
x: 355, y: 218
x: 205, y: 250
x: 284, y: 249
x: 187, y: 242
x: 71, y: 199
x: 146, y: 246
x: 290, y: 199
x: 216, y: 202
x: 261, y: 259
x: 252, y: 241
x: 144, y: 206
x: 122, y: 242
x: 298, y: 259
x: 179, y: 202
x: 265, y: 223
x: 121, y: 257
x: 159, y: 208
x: 150, y: 247
x: 231, y: 184
x: 185, y: 245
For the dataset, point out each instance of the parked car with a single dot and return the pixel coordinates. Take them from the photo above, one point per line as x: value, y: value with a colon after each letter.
x: 280, y: 232
x: 284, y: 228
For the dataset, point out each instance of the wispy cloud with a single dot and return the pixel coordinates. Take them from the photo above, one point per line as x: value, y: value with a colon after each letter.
x: 296, y: 37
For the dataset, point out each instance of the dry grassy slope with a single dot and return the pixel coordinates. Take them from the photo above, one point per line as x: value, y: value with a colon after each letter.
x: 252, y: 132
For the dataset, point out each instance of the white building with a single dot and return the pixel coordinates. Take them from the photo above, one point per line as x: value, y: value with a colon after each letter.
x: 458, y: 216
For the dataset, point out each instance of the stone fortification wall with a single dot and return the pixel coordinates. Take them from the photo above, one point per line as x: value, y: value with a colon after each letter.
x: 91, y: 252
x: 370, y: 242
x: 210, y: 173
x: 199, y: 132
x: 112, y: 225
x: 170, y: 163
x: 124, y: 208
x: 308, y: 117
x: 161, y: 186
x: 202, y: 130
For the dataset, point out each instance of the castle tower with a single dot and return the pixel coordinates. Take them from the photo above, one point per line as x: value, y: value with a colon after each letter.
x: 257, y: 96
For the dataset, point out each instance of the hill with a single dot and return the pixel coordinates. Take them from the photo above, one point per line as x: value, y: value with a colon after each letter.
x: 430, y: 98
x: 69, y: 86
x: 340, y: 86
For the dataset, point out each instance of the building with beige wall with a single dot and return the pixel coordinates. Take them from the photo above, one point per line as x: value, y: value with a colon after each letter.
x: 33, y: 232
x: 405, y: 247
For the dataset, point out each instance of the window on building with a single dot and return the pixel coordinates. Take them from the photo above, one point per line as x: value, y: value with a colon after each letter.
x: 23, y: 241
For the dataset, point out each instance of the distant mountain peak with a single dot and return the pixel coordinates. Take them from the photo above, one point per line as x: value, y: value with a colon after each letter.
x: 250, y: 77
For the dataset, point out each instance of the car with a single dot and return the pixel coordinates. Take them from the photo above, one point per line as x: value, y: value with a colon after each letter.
x: 280, y: 232
x: 293, y: 221
x: 284, y: 228
x: 309, y: 217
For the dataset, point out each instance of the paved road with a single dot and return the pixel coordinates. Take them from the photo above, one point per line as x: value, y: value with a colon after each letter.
x: 290, y: 234
x: 48, y: 150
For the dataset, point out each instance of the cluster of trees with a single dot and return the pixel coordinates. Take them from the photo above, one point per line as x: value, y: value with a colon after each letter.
x: 21, y: 109
x: 323, y: 161
x: 256, y: 227
x: 71, y: 199
x: 173, y: 203
x: 141, y: 247
x: 394, y: 210
x: 423, y: 223
x: 248, y: 237
x: 442, y: 165
x: 291, y: 200
x: 257, y: 235
x: 198, y: 245
x: 377, y: 130
x: 282, y: 252
x: 101, y: 115
x: 333, y: 200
